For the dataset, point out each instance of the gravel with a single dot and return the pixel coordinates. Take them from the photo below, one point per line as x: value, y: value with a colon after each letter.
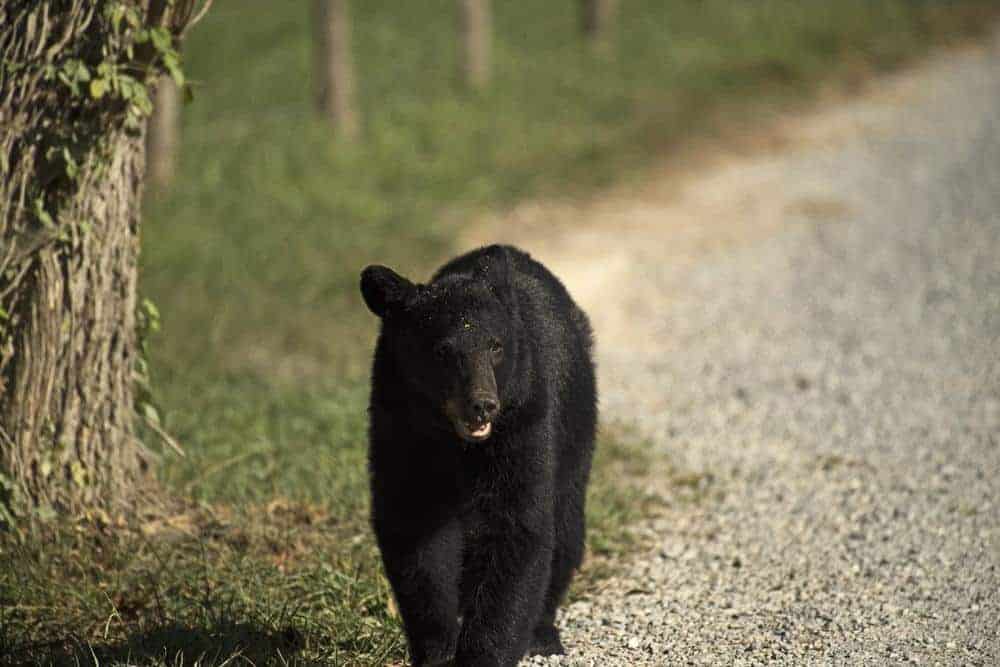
x: 836, y: 377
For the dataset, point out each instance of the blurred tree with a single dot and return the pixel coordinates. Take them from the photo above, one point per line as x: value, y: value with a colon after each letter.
x: 74, y: 97
x: 163, y: 134
x: 334, y: 67
x: 596, y: 18
x: 476, y: 27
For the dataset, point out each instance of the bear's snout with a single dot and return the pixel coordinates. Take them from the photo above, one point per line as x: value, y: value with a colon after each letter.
x: 484, y: 407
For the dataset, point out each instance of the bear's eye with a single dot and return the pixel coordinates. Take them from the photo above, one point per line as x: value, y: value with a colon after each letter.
x: 496, y: 348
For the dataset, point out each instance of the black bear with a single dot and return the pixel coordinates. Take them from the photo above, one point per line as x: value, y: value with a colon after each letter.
x: 482, y: 418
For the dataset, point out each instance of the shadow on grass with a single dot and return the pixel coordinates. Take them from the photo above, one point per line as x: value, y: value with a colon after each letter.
x: 172, y: 644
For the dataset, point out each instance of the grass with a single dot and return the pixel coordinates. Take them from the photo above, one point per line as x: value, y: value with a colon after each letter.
x: 279, y: 581
x: 253, y: 259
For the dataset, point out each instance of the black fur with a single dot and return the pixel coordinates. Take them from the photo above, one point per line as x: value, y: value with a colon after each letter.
x: 479, y: 538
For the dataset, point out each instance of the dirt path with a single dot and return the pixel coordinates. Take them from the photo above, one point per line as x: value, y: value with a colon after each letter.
x: 816, y: 330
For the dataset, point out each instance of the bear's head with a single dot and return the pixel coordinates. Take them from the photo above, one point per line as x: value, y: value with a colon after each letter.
x: 453, y: 342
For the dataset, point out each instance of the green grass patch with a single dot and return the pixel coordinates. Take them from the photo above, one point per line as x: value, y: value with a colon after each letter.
x: 272, y: 580
x: 253, y: 256
x: 253, y: 260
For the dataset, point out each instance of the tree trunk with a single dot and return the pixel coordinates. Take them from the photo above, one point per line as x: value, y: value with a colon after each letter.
x: 334, y: 68
x: 163, y: 135
x: 72, y: 155
x: 68, y: 395
x: 476, y: 28
x: 596, y: 19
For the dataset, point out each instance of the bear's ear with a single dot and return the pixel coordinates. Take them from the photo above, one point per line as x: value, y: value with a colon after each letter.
x: 384, y: 289
x: 495, y: 267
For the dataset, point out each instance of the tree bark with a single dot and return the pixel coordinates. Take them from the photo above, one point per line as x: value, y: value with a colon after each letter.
x: 476, y: 28
x: 163, y: 135
x: 596, y: 19
x: 73, y: 157
x: 334, y: 67
x: 68, y: 395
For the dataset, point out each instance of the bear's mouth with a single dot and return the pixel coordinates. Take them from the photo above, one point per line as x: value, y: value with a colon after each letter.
x: 468, y: 428
x: 474, y: 431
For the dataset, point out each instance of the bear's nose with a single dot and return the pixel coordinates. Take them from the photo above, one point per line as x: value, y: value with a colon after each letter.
x: 485, y: 408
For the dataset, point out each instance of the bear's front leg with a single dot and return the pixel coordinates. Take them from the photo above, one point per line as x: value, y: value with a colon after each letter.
x: 424, y: 571
x: 506, y: 590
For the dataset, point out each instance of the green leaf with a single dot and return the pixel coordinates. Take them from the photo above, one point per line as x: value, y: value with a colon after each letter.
x: 98, y: 87
x: 162, y: 40
x: 172, y: 62
x: 150, y: 310
x: 141, y: 101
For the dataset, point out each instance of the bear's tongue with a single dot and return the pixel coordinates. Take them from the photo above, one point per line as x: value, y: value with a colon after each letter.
x: 482, y: 431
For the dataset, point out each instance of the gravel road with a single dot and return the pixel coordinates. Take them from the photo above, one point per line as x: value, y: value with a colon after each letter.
x: 816, y: 332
